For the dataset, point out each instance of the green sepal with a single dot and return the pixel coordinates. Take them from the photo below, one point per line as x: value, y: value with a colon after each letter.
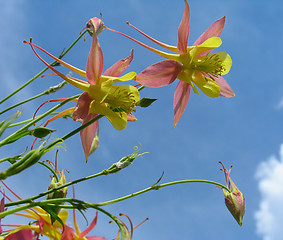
x: 145, y: 102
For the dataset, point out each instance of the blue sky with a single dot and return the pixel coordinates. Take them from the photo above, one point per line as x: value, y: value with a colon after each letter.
x: 245, y: 131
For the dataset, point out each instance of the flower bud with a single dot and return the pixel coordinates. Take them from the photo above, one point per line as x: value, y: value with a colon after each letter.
x: 8, y: 121
x: 95, y: 25
x: 125, y: 161
x: 41, y: 132
x: 60, y: 193
x: 234, y: 200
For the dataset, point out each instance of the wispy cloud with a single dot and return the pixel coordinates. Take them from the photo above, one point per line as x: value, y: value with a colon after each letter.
x: 269, y: 217
x: 279, y: 105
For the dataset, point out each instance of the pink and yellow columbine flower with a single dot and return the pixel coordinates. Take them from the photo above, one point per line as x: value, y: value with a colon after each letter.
x: 42, y: 224
x: 101, y: 96
x: 234, y: 200
x: 194, y: 65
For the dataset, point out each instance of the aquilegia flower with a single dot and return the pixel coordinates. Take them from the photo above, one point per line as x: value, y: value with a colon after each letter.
x: 194, y: 65
x: 234, y: 200
x: 41, y: 224
x: 101, y: 96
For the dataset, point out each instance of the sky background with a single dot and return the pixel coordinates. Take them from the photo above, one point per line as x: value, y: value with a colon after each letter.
x: 244, y: 131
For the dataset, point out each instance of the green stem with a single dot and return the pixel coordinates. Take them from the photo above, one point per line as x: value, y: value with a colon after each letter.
x: 20, y: 103
x: 81, y: 127
x: 157, y: 187
x: 51, y: 170
x: 30, y: 200
x: 44, y: 70
x: 71, y: 133
x: 46, y: 92
x: 28, y: 120
x: 141, y: 88
x: 3, y: 142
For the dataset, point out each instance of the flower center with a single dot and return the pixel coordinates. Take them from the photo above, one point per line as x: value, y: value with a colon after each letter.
x: 121, y: 100
x: 210, y: 64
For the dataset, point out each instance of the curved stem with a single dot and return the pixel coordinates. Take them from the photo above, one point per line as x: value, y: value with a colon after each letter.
x: 50, y: 169
x: 157, y: 187
x: 44, y: 70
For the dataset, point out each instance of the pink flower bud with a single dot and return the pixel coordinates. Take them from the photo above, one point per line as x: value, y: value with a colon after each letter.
x: 95, y: 25
x: 234, y: 200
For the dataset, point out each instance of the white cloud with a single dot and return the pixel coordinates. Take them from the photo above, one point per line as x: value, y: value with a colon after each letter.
x: 269, y: 217
x: 280, y: 104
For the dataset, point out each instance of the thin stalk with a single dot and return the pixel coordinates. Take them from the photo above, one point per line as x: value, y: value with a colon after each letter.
x: 30, y: 200
x: 46, y: 92
x: 3, y: 142
x: 157, y: 187
x: 28, y: 120
x: 50, y: 169
x: 44, y: 70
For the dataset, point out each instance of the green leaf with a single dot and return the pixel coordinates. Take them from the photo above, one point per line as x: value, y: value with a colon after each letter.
x: 145, y: 102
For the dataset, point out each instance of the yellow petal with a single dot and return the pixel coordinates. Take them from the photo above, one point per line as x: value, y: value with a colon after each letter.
x: 226, y: 61
x: 209, y: 44
x: 117, y: 119
x: 126, y: 77
x: 208, y: 86
x: 100, y: 92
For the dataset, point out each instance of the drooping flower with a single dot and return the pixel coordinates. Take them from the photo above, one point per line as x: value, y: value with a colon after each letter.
x: 194, y: 65
x: 234, y: 200
x: 101, y: 96
x: 41, y: 225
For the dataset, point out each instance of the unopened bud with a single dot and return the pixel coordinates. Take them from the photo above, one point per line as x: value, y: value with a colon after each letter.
x: 124, y: 162
x: 234, y: 200
x: 95, y: 25
x: 41, y: 132
x: 60, y: 193
x: 8, y: 121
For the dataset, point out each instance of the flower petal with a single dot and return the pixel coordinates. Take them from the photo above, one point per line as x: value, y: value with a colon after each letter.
x: 181, y: 98
x: 226, y: 61
x: 81, y: 110
x: 225, y: 89
x: 119, y: 67
x: 88, y: 134
x: 90, y: 227
x: 206, y: 46
x: 159, y: 74
x: 117, y: 119
x: 214, y: 30
x: 183, y: 30
x: 24, y: 234
x: 127, y: 77
x: 94, y: 65
x: 68, y: 233
x: 208, y: 86
x: 131, y: 117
